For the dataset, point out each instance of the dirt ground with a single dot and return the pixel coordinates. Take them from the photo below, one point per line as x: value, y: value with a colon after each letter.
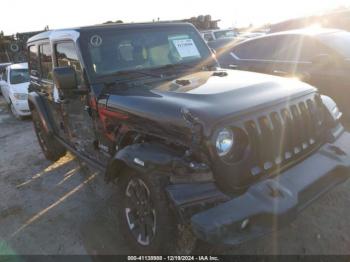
x: 61, y: 208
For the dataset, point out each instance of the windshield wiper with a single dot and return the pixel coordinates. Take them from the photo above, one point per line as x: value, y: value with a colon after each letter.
x: 208, y: 67
x: 172, y: 66
x: 133, y: 72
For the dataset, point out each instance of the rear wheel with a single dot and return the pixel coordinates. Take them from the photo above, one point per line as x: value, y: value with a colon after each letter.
x: 51, y: 148
x: 143, y: 213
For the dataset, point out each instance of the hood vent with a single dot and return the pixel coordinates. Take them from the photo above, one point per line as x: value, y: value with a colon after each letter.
x: 220, y: 73
x: 182, y: 82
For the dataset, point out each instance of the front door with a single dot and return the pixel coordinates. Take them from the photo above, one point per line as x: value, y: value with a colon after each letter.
x: 77, y: 121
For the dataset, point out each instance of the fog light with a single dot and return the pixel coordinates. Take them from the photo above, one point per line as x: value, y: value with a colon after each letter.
x: 245, y: 224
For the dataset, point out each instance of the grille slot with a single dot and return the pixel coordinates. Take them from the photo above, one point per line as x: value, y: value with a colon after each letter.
x: 281, y: 136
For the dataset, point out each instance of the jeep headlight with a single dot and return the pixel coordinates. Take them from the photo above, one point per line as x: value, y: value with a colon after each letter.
x: 224, y: 142
x: 336, y: 113
x: 332, y: 108
x: 20, y: 96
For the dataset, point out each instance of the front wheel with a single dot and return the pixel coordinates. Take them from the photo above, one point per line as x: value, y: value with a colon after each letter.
x: 14, y: 112
x: 143, y: 213
x: 51, y: 148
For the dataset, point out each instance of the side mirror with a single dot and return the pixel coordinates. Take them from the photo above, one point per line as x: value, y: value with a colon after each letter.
x: 65, y: 79
x: 34, y: 73
x: 322, y: 60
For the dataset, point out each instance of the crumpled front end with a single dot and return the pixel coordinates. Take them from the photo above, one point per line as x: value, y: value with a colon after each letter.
x: 274, y: 202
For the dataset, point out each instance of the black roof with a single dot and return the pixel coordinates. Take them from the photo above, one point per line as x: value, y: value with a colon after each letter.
x: 47, y: 34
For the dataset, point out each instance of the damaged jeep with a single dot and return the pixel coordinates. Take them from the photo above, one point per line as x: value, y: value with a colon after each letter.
x: 230, y: 155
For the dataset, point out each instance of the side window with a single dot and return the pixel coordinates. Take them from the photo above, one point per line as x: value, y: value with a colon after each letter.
x: 262, y: 48
x: 288, y: 48
x: 272, y: 48
x: 293, y: 48
x: 46, y: 61
x: 66, y: 55
x: 34, y: 60
x: 312, y: 48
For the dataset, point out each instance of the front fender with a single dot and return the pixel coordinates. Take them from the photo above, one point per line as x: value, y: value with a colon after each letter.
x: 37, y: 103
x: 142, y: 158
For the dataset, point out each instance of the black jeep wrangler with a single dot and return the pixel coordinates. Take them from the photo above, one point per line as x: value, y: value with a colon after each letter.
x: 231, y: 155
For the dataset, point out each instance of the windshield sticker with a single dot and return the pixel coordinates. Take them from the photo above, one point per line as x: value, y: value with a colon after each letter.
x: 186, y: 48
x: 96, y: 40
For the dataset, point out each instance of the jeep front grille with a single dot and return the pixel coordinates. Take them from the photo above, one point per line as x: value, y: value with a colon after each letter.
x: 284, y: 135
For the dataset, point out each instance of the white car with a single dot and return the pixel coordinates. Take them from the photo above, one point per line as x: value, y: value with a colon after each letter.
x: 14, y: 87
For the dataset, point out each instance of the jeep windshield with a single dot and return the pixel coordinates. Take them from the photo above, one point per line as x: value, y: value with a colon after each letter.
x: 112, y: 51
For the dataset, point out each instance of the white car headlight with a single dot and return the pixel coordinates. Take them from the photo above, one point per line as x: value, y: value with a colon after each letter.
x: 20, y: 96
x: 224, y: 142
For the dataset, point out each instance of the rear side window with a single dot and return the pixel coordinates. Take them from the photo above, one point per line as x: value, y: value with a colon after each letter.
x: 46, y: 62
x: 67, y: 56
x: 34, y: 60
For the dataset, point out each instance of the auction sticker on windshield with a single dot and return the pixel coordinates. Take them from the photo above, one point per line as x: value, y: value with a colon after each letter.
x: 186, y: 48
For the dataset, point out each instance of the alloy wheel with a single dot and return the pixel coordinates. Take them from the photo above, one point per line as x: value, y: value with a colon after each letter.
x: 140, y: 212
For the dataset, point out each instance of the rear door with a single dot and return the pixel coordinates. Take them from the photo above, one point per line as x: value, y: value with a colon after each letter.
x: 77, y: 119
x: 292, y: 56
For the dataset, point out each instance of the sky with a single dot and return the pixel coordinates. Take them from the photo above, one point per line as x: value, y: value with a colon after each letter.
x: 33, y: 15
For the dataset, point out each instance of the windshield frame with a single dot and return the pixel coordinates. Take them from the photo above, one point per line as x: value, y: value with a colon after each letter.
x: 169, y: 28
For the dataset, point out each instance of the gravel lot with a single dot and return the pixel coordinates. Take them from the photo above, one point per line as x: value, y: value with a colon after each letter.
x: 61, y: 208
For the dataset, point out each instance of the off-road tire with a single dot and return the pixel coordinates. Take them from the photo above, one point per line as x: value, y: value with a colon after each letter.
x: 51, y: 148
x: 165, y: 238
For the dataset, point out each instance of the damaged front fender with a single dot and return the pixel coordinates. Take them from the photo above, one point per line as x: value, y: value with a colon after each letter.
x: 147, y: 157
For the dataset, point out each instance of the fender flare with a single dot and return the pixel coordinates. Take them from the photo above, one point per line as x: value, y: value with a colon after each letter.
x: 35, y: 101
x: 143, y: 158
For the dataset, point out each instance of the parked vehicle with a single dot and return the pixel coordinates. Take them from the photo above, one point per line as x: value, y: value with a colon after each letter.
x: 320, y: 57
x: 2, y: 71
x: 211, y: 35
x: 223, y: 49
x: 231, y: 155
x: 14, y: 87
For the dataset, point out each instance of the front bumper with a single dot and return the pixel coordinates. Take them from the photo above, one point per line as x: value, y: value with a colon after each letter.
x: 22, y: 107
x: 275, y: 202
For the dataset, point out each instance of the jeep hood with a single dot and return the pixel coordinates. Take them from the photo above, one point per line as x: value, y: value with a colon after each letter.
x: 210, y: 96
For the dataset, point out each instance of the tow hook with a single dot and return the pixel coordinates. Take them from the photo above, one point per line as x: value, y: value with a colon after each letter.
x: 274, y: 192
x: 337, y: 150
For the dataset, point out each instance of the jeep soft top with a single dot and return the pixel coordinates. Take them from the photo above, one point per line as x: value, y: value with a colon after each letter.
x: 231, y: 154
